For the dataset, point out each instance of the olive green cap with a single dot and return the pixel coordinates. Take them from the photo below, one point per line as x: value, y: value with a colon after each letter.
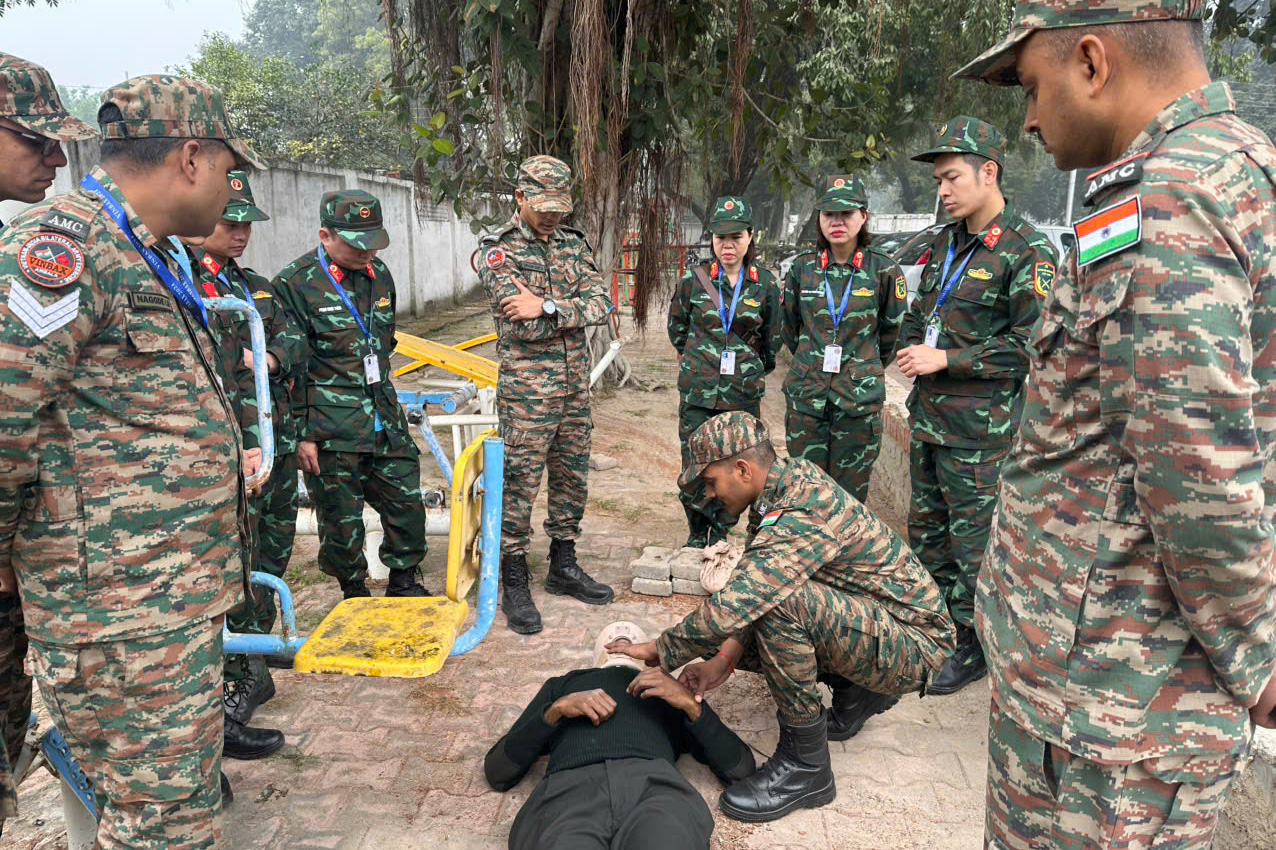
x: 843, y: 192
x: 355, y: 216
x: 964, y: 134
x: 997, y: 64
x: 240, y: 207
x: 163, y: 106
x: 29, y: 98
x: 723, y: 436
x: 731, y: 215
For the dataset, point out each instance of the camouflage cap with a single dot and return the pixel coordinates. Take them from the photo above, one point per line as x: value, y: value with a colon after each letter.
x: 547, y: 183
x: 240, y: 207
x: 731, y: 215
x: 723, y: 436
x: 997, y: 65
x: 843, y: 192
x: 164, y: 106
x: 29, y: 98
x: 966, y: 135
x: 355, y: 216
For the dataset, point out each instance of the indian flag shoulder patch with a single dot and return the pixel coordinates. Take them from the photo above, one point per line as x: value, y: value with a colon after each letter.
x: 1108, y: 231
x: 771, y: 518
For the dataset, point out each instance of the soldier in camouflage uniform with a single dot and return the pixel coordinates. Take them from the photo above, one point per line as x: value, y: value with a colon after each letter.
x: 355, y: 443
x: 34, y: 122
x: 122, y: 504
x: 215, y: 269
x: 1128, y: 603
x: 964, y: 343
x: 842, y: 306
x: 545, y: 290
x: 724, y: 322
x: 824, y: 589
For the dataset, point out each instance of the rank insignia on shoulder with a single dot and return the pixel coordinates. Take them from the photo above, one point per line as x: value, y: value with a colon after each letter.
x: 54, y: 220
x: 993, y: 237
x: 901, y: 287
x: 771, y: 518
x: 753, y: 273
x: 51, y: 260
x: 1042, y: 277
x: 42, y: 319
x: 1109, y: 231
x: 372, y: 272
x: 495, y: 258
x: 261, y: 293
x: 980, y: 274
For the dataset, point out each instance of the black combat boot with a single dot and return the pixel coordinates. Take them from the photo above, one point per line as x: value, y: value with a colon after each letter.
x: 853, y: 705
x: 256, y: 688
x: 249, y: 742
x: 228, y: 796
x: 799, y: 775
x: 566, y: 578
x: 404, y: 583
x: 353, y: 588
x: 698, y: 523
x: 966, y: 665
x: 516, y: 599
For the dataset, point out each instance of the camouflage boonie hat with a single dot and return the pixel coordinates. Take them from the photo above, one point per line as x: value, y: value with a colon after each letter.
x: 731, y: 215
x: 163, y: 106
x: 997, y: 65
x: 723, y: 436
x: 355, y: 216
x: 29, y: 98
x: 843, y: 192
x: 547, y: 183
x: 240, y: 207
x: 964, y: 134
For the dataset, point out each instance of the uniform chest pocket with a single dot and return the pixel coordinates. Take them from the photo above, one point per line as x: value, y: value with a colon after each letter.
x: 973, y: 310
x: 155, y: 373
x: 336, y: 333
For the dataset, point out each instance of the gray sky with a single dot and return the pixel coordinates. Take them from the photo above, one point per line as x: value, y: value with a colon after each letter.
x: 100, y: 42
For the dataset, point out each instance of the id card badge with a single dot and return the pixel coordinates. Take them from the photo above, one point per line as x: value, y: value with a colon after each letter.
x: 728, y: 363
x: 932, y: 334
x: 833, y: 358
x: 371, y: 369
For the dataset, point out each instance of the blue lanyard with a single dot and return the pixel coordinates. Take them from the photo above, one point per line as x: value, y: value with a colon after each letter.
x: 343, y: 295
x: 951, y: 281
x: 846, y: 298
x: 248, y: 296
x: 727, y: 320
x: 180, y: 285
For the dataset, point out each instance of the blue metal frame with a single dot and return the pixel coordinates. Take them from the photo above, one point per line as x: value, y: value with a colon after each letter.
x: 492, y: 486
x: 261, y: 380
x: 287, y: 644
x: 415, y: 403
x: 58, y: 753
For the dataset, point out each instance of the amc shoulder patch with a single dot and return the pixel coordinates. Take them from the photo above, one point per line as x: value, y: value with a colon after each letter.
x: 63, y: 223
x: 1042, y: 278
x: 771, y: 518
x: 1119, y: 173
x: 51, y: 260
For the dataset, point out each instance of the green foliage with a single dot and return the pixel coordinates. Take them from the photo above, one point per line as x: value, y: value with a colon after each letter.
x: 5, y: 5
x: 82, y: 102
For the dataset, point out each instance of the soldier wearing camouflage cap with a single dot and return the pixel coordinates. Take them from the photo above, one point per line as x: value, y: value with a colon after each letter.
x: 1128, y: 599
x: 33, y: 122
x: 214, y: 263
x: 544, y: 289
x: 724, y: 321
x: 122, y: 500
x: 355, y: 446
x: 964, y: 342
x: 825, y: 591
x: 843, y: 301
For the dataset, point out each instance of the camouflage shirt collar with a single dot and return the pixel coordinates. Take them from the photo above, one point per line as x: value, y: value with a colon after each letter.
x: 1207, y: 100
x: 1001, y: 221
x: 140, y: 230
x: 527, y: 233
x: 773, y: 490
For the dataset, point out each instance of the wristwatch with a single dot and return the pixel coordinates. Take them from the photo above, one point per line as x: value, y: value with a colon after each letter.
x: 549, y: 307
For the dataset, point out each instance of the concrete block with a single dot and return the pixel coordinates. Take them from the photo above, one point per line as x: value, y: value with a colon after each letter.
x: 656, y: 570
x: 692, y: 587
x: 657, y: 552
x: 651, y: 587
x: 686, y: 564
x: 601, y: 463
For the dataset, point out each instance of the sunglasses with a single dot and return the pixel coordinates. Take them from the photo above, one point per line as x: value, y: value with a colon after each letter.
x: 44, y: 144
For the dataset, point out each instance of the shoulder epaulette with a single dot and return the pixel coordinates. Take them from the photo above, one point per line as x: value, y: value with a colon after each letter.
x: 580, y: 233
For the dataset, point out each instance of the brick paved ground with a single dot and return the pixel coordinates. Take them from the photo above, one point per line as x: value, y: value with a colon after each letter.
x: 392, y: 764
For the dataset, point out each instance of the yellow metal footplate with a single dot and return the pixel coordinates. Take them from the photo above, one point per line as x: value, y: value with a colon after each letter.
x: 406, y: 638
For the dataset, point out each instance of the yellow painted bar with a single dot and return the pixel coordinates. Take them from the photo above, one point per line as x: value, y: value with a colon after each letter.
x: 424, y: 352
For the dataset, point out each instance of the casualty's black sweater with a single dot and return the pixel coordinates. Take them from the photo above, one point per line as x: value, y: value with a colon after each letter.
x: 640, y: 728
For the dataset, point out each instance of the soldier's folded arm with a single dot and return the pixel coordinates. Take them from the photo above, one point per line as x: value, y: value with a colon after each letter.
x: 527, y: 740
x: 500, y: 285
x: 779, y: 560
x: 590, y: 306
x: 1194, y: 436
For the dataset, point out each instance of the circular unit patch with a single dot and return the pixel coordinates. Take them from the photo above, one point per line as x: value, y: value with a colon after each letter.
x: 839, y: 183
x: 237, y: 184
x: 729, y: 205
x: 51, y: 260
x: 495, y: 258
